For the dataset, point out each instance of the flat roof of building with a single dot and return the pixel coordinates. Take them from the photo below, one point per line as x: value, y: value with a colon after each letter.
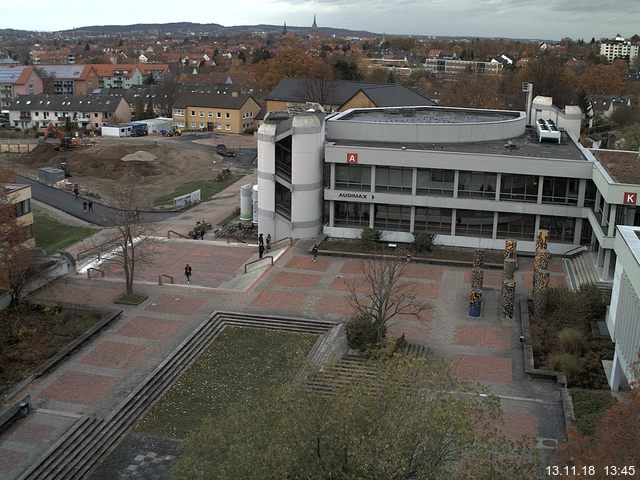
x: 622, y: 166
x: 524, y: 146
x: 427, y: 115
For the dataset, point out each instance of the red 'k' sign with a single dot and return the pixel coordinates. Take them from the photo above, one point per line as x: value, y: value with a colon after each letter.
x: 630, y: 198
x: 352, y: 158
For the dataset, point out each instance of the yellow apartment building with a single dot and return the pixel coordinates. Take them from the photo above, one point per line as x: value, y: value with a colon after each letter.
x: 222, y: 112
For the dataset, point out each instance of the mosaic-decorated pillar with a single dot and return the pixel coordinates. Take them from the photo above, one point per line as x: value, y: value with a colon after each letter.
x: 510, y: 265
x: 475, y: 302
x: 477, y: 276
x: 542, y: 239
x: 478, y: 259
x: 510, y: 247
x: 507, y: 299
x: 541, y: 293
x: 541, y: 260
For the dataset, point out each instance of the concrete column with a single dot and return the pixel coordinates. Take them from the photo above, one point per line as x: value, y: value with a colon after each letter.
x: 373, y: 179
x: 332, y: 213
x: 456, y: 179
x: 454, y: 213
x: 606, y: 263
x: 536, y: 225
x: 605, y: 215
x: 612, y: 220
x: 600, y: 257
x: 498, y: 186
x: 582, y: 189
x: 577, y: 232
x: 617, y: 374
x: 371, y: 214
x: 332, y: 179
x: 414, y: 184
x: 630, y: 215
x: 494, y: 232
x: 596, y: 206
x: 412, y: 220
x: 540, y: 186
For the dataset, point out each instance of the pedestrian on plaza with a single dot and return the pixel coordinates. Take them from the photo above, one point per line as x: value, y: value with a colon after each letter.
x: 84, y: 207
x: 260, y: 240
x: 260, y: 250
x: 314, y: 252
x: 90, y: 205
x: 202, y: 234
x: 187, y: 272
x: 136, y: 213
x: 76, y: 192
x: 268, y: 242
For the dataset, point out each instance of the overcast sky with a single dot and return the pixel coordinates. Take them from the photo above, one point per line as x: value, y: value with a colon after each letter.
x: 548, y: 19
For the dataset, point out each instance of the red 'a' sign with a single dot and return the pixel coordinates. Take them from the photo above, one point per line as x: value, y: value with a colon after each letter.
x: 352, y: 158
x: 630, y: 198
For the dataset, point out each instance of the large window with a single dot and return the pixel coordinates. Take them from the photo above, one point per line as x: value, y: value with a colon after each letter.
x: 392, y: 217
x: 590, y: 194
x: 283, y: 201
x: 516, y: 225
x: 394, y: 179
x: 353, y: 177
x: 560, y: 190
x: 560, y: 228
x: 433, y: 220
x: 520, y: 188
x: 474, y: 223
x: 477, y: 184
x: 23, y: 207
x: 435, y: 182
x: 351, y: 214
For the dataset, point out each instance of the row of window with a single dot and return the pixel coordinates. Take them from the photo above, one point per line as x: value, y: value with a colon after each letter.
x: 468, y: 223
x: 522, y: 188
x: 217, y: 126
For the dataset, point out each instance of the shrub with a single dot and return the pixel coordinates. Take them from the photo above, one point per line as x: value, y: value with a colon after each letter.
x: 568, y: 364
x: 571, y: 340
x: 361, y: 332
x: 369, y: 237
x: 422, y: 242
x: 400, y: 344
x: 589, y: 405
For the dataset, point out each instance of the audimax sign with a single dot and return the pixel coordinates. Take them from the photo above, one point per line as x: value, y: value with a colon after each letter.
x: 359, y: 196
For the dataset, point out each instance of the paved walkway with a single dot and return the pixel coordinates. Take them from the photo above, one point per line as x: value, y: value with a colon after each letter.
x: 99, y: 376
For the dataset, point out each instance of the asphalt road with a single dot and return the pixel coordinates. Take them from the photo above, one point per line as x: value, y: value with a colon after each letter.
x: 67, y: 202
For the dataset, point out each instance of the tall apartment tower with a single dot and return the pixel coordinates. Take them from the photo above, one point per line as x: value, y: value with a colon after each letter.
x: 290, y: 174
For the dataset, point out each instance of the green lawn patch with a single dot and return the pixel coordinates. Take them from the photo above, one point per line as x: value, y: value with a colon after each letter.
x: 588, y: 406
x: 208, y: 188
x: 239, y: 363
x: 52, y: 235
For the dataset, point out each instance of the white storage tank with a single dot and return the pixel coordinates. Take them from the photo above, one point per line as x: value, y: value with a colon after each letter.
x: 246, y: 205
x: 255, y: 204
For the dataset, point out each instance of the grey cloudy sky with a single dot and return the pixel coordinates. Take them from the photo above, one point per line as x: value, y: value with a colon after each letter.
x: 548, y: 19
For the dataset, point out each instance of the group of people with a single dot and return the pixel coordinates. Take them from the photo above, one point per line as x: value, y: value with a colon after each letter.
x: 261, y: 244
x: 87, y: 205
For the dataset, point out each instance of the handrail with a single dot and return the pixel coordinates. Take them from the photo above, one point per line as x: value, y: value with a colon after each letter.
x: 574, y: 250
x: 256, y: 261
x: 97, y: 247
x: 101, y: 272
x: 282, y: 240
x: 177, y: 233
x: 164, y: 275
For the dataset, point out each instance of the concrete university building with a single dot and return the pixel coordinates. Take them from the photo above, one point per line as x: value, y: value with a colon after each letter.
x: 473, y: 178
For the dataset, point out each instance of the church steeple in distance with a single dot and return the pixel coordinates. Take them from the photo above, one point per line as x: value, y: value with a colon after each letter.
x: 315, y: 25
x: 284, y: 30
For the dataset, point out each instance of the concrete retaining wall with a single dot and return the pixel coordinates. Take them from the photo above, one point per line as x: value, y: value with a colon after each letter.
x: 17, y: 147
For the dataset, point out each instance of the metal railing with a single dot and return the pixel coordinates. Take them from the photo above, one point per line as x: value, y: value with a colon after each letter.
x: 176, y: 233
x: 256, y: 261
x: 167, y: 276
x: 282, y: 240
x: 573, y: 251
x: 89, y: 270
x: 98, y: 249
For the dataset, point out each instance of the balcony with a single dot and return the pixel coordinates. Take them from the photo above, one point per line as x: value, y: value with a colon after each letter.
x: 25, y: 118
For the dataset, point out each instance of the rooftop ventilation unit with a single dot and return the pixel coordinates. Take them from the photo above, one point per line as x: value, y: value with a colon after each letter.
x: 547, y: 130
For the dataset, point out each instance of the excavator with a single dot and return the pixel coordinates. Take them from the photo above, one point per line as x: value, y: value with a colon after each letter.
x: 64, y: 142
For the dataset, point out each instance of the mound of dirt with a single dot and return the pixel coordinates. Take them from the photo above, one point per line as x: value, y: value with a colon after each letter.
x: 139, y: 156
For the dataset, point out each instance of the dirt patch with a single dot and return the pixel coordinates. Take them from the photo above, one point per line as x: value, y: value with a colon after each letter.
x: 155, y: 169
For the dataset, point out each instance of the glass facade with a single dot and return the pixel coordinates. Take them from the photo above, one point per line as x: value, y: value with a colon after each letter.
x: 474, y: 223
x: 392, y: 217
x: 560, y: 190
x: 353, y: 177
x: 521, y: 188
x: 477, y: 184
x: 435, y: 182
x: 516, y: 225
x: 351, y: 214
x: 433, y: 220
x: 394, y: 179
x: 561, y: 229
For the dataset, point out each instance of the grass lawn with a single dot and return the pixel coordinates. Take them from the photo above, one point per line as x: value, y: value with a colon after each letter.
x: 208, y: 188
x: 588, y: 406
x: 53, y: 235
x: 40, y: 331
x: 238, y: 363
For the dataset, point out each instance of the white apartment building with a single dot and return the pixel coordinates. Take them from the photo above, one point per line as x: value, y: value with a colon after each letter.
x: 618, y: 47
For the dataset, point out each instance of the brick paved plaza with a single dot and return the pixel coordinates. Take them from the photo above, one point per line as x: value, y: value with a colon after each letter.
x: 97, y: 377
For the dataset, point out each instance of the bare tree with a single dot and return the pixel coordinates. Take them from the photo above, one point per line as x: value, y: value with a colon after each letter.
x: 134, y: 240
x: 167, y: 92
x: 386, y: 293
x: 318, y: 90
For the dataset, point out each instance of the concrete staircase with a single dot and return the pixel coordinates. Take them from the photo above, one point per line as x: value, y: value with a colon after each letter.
x: 89, y: 438
x: 582, y: 272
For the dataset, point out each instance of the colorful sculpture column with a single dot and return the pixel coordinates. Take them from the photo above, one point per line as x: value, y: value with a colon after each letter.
x: 475, y: 302
x: 541, y: 293
x: 508, y: 298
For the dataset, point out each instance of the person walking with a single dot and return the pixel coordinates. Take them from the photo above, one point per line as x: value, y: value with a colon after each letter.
x: 90, y: 205
x: 187, y: 272
x: 84, y: 206
x: 268, y: 242
x: 261, y: 240
x: 76, y: 192
x: 202, y: 233
x: 260, y: 250
x: 314, y: 252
